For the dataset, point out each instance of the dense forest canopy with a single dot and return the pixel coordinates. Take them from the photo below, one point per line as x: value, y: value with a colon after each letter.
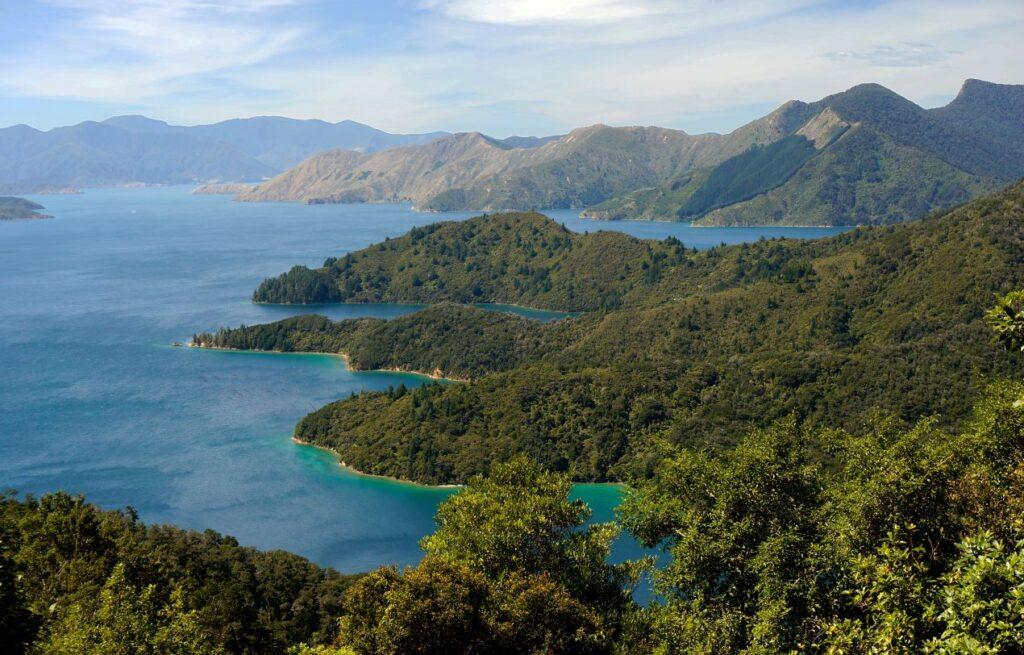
x: 692, y: 347
x: 76, y: 580
x: 876, y: 506
x: 898, y: 538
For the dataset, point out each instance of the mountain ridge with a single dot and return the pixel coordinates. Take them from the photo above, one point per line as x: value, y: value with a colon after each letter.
x: 880, y: 158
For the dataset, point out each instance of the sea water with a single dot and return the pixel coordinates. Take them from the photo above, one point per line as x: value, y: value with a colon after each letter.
x: 95, y: 400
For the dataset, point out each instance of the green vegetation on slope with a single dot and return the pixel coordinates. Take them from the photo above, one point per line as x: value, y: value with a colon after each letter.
x: 524, y: 259
x: 748, y: 174
x: 890, y: 539
x: 693, y: 194
x: 79, y: 580
x: 659, y: 203
x: 893, y: 538
x: 510, y: 569
x: 864, y: 178
x: 882, y: 159
x: 831, y: 330
x: 12, y: 209
x: 453, y: 341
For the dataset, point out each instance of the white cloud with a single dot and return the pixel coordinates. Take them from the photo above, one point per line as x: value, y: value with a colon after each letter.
x: 539, y: 67
x: 126, y: 51
x: 531, y: 12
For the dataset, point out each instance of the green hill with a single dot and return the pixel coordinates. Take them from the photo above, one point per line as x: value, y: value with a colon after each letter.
x: 995, y: 111
x: 697, y: 347
x: 524, y: 259
x: 454, y: 341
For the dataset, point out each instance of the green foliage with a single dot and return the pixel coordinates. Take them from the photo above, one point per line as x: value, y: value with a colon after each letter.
x: 739, y: 527
x: 300, y: 286
x: 455, y: 341
x: 82, y: 571
x: 524, y: 259
x: 703, y: 345
x: 128, y: 621
x: 511, y: 569
x: 18, y: 625
x: 982, y: 600
x: 1007, y: 320
x: 888, y: 590
x: 748, y: 174
x: 825, y: 541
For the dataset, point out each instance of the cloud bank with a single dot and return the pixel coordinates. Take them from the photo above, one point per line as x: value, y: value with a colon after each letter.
x: 500, y: 66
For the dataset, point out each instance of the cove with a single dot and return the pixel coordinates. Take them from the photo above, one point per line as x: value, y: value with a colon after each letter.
x: 95, y: 401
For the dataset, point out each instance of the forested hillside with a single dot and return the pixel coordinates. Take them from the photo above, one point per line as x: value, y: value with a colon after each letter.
x: 525, y: 259
x: 692, y: 346
x: 891, y: 538
x: 79, y: 580
x: 453, y: 341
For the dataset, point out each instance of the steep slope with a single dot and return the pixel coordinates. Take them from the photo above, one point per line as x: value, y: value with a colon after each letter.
x: 880, y: 159
x: 804, y: 163
x: 995, y: 111
x: 699, y: 345
x: 402, y: 174
x: 586, y: 166
x: 865, y: 178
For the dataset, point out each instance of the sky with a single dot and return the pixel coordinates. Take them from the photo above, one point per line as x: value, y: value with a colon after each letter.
x: 503, y: 67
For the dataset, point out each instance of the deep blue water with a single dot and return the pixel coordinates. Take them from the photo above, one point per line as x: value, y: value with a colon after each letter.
x: 94, y: 400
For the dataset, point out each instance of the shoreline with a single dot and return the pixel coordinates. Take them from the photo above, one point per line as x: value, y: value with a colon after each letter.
x: 353, y: 470
x: 480, y: 305
x: 344, y: 357
x: 389, y: 478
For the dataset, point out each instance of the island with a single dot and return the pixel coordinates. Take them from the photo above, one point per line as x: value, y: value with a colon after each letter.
x: 671, y: 345
x: 17, y: 209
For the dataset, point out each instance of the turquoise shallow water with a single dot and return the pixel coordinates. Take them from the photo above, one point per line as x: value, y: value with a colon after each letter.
x: 94, y: 400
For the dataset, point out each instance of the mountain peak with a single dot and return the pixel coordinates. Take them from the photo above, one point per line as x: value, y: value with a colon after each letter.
x: 974, y: 90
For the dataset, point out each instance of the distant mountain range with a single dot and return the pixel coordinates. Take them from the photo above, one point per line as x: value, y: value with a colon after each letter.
x: 863, y: 156
x: 136, y: 149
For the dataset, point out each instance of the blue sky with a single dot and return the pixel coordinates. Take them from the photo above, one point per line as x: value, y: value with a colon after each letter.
x: 498, y: 66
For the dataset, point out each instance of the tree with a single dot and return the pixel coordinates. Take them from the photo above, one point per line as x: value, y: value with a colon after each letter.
x: 18, y: 624
x: 739, y: 526
x: 127, y: 620
x: 981, y: 602
x: 511, y: 569
x: 1007, y: 320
